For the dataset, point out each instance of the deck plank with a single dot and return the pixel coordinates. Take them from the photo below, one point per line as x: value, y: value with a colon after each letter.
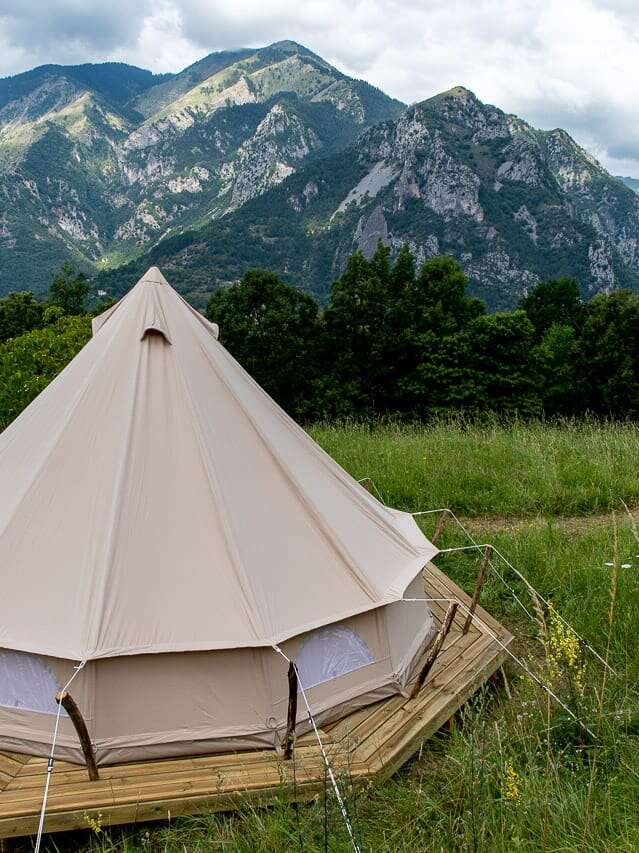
x: 118, y: 775
x: 404, y: 743
x: 36, y: 769
x: 10, y: 766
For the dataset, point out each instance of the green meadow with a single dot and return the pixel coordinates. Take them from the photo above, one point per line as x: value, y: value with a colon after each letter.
x: 571, y: 467
x: 518, y: 772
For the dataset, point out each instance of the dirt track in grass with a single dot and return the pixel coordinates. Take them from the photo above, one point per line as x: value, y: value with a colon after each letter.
x: 577, y: 523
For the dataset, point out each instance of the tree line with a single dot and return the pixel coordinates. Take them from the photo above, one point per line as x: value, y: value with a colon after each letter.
x: 401, y: 341
x: 38, y: 338
x: 393, y: 340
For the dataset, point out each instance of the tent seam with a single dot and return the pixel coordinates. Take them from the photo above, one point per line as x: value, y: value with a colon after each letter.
x: 334, y: 543
x: 92, y: 635
x: 251, y: 606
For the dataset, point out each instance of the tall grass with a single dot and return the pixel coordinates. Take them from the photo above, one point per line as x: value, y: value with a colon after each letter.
x: 569, y: 468
x: 516, y: 774
x: 570, y: 566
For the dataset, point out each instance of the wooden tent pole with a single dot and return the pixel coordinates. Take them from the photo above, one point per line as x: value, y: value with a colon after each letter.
x: 435, y: 648
x: 291, y: 718
x: 481, y: 577
x: 439, y: 529
x: 68, y: 703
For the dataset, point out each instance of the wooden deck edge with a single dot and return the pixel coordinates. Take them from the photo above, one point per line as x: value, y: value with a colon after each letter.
x: 434, y: 575
x: 11, y: 764
x: 164, y: 809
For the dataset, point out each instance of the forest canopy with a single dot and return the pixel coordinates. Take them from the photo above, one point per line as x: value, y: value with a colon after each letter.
x: 394, y: 340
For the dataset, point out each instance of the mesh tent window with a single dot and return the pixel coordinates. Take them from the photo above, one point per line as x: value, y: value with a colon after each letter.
x: 26, y: 683
x: 330, y: 652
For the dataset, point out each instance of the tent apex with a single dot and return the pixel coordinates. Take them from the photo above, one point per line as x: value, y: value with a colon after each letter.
x: 153, y: 276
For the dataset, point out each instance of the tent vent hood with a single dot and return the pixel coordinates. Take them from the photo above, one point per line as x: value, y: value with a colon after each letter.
x: 155, y: 329
x: 153, y: 318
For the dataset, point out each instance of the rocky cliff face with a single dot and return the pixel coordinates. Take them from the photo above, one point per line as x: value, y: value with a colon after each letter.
x: 273, y: 157
x: 98, y: 162
x: 513, y: 204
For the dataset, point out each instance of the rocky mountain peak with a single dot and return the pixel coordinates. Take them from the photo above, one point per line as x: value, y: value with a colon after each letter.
x: 99, y: 161
x: 276, y: 150
x: 459, y: 92
x: 461, y: 110
x: 451, y: 174
x: 292, y: 47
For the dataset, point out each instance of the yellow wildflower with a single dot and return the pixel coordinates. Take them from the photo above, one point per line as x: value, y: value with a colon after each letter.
x: 564, y: 653
x: 511, y: 783
x: 94, y: 823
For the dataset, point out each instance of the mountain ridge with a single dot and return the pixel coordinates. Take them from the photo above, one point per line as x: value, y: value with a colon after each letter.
x: 96, y: 175
x: 272, y: 157
x: 90, y: 74
x: 512, y: 203
x: 632, y: 183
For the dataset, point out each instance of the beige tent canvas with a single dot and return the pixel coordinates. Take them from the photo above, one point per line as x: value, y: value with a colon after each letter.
x: 162, y: 519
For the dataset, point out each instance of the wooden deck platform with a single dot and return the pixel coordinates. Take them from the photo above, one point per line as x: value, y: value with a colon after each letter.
x: 374, y: 741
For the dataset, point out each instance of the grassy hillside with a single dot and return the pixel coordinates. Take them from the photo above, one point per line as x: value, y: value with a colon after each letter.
x: 515, y: 775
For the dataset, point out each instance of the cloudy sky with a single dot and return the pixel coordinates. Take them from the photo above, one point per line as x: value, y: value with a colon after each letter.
x: 556, y: 63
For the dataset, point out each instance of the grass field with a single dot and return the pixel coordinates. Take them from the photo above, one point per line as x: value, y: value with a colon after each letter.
x: 570, y: 468
x: 518, y: 774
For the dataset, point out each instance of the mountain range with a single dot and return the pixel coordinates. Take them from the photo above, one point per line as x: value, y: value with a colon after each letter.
x: 272, y: 157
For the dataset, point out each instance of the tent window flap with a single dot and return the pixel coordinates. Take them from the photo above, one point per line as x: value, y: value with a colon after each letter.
x: 329, y: 653
x: 26, y: 683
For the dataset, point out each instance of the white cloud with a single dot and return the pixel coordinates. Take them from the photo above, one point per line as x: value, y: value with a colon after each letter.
x: 557, y: 63
x: 67, y: 30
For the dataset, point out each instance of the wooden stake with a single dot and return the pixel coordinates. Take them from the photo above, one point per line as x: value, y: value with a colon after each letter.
x: 439, y: 529
x: 505, y: 680
x: 435, y: 648
x: 68, y: 703
x: 291, y: 719
x: 478, y: 585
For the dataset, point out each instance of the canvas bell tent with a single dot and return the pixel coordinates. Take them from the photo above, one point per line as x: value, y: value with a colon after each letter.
x: 162, y: 519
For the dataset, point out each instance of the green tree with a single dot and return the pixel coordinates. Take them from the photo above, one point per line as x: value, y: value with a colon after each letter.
x: 402, y: 275
x: 504, y: 373
x: 396, y: 339
x: 29, y: 362
x: 101, y: 306
x: 431, y: 363
x: 51, y: 315
x: 273, y: 331
x: 356, y: 336
x: 609, y: 347
x: 555, y: 301
x: 558, y: 359
x: 19, y: 313
x: 69, y: 289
